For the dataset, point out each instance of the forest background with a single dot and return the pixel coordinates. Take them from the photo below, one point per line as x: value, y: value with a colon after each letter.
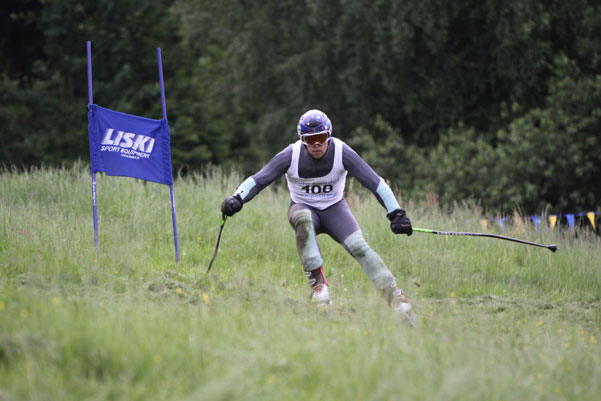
x: 497, y: 101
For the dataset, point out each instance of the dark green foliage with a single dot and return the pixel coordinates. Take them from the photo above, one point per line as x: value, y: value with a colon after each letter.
x: 497, y: 101
x: 546, y: 159
x: 550, y: 156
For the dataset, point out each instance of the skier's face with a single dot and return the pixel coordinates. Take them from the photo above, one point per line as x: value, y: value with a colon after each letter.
x: 318, y: 150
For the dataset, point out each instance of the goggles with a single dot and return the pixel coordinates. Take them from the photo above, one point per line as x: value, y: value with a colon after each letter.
x: 318, y: 138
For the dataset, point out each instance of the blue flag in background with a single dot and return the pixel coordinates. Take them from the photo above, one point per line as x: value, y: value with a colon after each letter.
x: 570, y: 217
x: 535, y: 221
x: 129, y: 146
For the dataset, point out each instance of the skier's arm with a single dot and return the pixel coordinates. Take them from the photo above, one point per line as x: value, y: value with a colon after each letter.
x: 358, y: 168
x: 362, y: 172
x: 273, y: 170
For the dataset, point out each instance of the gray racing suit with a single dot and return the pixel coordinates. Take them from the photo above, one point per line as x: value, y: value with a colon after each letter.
x: 318, y: 206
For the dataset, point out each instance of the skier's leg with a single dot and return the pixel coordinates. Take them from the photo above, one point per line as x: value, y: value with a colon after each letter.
x: 303, y: 220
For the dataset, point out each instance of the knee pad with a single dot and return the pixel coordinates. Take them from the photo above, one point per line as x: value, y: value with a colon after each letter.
x: 357, y: 244
x: 298, y: 217
x: 306, y: 241
x: 369, y: 260
x: 302, y: 223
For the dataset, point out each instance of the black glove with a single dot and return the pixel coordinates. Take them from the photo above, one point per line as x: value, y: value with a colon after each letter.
x: 231, y: 205
x: 399, y: 222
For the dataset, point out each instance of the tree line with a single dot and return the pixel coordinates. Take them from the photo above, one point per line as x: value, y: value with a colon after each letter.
x: 494, y: 101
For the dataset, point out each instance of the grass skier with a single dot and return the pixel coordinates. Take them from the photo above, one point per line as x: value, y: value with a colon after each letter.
x: 316, y: 167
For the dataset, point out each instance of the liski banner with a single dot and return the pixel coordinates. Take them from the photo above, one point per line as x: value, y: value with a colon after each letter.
x: 129, y: 146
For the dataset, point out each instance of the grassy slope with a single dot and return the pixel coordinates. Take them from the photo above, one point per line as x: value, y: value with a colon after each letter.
x: 498, y: 320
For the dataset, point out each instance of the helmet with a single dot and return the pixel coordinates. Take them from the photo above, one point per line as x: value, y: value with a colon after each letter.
x: 314, y: 122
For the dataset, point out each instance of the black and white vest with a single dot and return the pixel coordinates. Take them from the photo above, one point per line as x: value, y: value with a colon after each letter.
x: 318, y: 192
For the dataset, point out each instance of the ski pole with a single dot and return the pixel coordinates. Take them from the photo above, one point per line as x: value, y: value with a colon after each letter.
x: 217, y: 245
x: 552, y: 247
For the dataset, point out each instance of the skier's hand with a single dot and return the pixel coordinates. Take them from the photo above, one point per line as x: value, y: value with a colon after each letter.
x: 231, y: 205
x: 399, y: 222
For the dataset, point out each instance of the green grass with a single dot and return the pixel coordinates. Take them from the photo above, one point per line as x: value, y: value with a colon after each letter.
x: 498, y: 320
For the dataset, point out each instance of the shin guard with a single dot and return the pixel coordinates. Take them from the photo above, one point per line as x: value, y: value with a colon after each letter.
x: 370, y: 261
x: 306, y: 239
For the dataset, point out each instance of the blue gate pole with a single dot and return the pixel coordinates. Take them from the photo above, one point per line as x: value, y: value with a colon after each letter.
x: 91, y: 101
x: 175, y: 241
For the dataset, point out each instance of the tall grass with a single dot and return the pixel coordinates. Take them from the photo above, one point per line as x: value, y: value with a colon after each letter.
x: 498, y: 320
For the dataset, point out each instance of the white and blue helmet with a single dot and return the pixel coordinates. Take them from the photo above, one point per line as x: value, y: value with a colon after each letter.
x: 313, y: 122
